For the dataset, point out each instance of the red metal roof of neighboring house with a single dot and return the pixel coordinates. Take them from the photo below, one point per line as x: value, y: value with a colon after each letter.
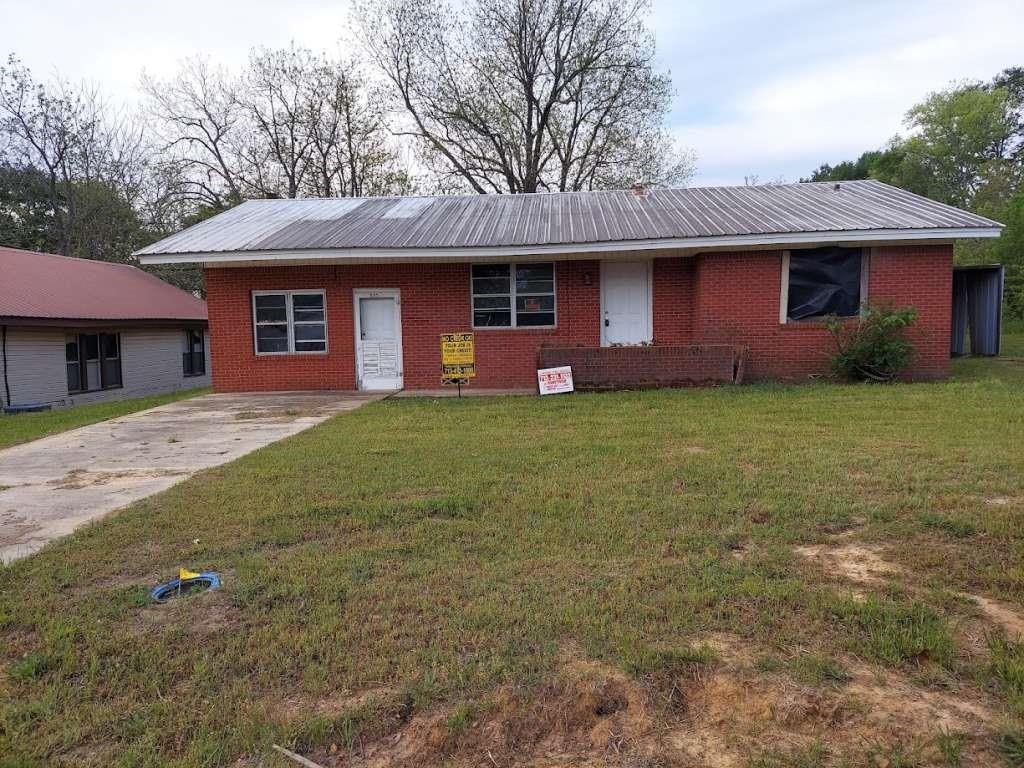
x: 47, y: 286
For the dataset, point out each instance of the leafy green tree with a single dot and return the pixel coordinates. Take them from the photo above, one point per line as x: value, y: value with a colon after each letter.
x: 25, y: 221
x: 966, y: 148
x: 890, y: 165
x: 1009, y: 251
x: 105, y: 227
x: 963, y: 139
x: 188, y: 277
x: 848, y: 170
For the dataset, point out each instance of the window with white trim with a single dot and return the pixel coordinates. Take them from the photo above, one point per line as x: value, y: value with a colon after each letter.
x: 287, y: 322
x: 513, y: 295
x: 817, y: 282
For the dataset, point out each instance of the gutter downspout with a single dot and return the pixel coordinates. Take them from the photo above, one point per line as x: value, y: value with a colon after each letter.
x: 3, y: 353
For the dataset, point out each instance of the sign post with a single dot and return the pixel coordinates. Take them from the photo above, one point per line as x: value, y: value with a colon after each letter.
x: 458, y: 359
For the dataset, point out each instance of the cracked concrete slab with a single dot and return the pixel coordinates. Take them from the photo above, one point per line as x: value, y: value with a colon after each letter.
x: 51, y: 486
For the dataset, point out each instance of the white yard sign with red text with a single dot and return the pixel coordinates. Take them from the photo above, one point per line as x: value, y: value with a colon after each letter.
x: 552, y: 381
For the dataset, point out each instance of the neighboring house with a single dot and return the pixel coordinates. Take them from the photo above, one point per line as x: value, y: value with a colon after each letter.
x: 78, y: 331
x: 631, y: 287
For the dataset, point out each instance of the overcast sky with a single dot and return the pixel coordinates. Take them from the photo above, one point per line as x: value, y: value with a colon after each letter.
x: 765, y: 87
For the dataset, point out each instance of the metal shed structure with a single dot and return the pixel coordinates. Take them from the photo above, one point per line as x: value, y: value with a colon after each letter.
x: 977, y: 309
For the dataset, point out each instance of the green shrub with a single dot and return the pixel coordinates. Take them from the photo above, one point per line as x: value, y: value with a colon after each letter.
x: 874, y: 347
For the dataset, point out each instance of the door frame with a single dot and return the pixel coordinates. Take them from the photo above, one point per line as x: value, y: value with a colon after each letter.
x: 649, y: 330
x: 377, y: 293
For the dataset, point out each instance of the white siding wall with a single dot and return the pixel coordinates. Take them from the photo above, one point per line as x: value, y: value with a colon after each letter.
x: 35, y: 366
x: 150, y: 364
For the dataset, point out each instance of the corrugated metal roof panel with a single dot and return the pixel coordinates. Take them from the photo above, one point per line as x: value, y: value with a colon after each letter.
x: 569, y: 218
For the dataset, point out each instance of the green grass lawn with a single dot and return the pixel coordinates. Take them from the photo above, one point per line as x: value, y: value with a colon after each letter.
x: 1013, y: 338
x: 23, y: 427
x: 438, y: 552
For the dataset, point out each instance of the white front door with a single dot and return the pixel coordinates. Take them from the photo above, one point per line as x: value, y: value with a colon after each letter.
x: 626, y: 303
x: 378, y: 339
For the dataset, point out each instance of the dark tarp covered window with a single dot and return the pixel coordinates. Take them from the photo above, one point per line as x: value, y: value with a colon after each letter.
x: 824, y: 281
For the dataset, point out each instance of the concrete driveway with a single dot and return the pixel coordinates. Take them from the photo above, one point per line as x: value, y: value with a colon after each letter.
x: 51, y: 486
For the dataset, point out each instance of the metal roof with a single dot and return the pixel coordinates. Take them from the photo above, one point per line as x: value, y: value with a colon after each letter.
x: 45, y: 286
x: 389, y: 225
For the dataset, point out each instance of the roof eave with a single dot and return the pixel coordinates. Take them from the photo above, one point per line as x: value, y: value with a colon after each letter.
x: 690, y: 244
x: 100, y: 322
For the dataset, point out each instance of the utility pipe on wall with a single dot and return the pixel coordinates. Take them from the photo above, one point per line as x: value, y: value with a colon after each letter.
x: 3, y: 353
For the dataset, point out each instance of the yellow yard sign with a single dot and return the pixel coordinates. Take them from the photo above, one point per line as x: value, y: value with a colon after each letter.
x: 458, y: 357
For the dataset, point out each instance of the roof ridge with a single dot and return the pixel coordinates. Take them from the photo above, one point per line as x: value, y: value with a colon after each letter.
x: 510, y: 195
x: 80, y: 259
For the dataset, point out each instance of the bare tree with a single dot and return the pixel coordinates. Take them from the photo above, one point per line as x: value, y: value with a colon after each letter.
x: 353, y: 153
x: 292, y: 123
x: 528, y: 95
x: 274, y: 97
x: 196, y: 117
x: 42, y: 130
x: 94, y: 160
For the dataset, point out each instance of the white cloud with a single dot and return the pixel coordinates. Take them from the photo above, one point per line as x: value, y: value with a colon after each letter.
x: 766, y: 87
x: 853, y: 99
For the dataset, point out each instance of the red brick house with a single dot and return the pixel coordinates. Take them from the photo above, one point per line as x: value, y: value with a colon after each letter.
x: 636, y: 287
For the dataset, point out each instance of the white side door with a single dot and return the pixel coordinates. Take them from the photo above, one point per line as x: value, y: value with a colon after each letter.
x: 626, y: 303
x: 378, y: 323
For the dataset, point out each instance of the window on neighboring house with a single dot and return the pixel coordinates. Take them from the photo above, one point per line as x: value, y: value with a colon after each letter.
x: 823, y: 281
x: 289, y: 321
x: 93, y: 361
x: 110, y: 360
x: 73, y: 364
x: 194, y: 357
x: 513, y: 295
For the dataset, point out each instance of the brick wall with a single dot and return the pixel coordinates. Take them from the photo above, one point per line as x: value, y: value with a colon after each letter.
x: 673, y: 297
x: 737, y: 302
x: 921, y: 276
x: 721, y: 298
x: 660, y: 365
x: 435, y: 300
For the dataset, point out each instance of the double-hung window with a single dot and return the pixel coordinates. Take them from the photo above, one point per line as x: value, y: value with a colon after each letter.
x: 289, y: 322
x: 513, y: 295
x: 823, y: 281
x: 92, y: 361
x: 193, y: 359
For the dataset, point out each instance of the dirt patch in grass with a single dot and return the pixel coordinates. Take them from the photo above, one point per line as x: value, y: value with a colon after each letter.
x: 1001, y: 501
x: 332, y: 704
x: 201, y: 615
x: 718, y: 715
x: 1002, y: 615
x: 854, y: 562
x: 862, y: 564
